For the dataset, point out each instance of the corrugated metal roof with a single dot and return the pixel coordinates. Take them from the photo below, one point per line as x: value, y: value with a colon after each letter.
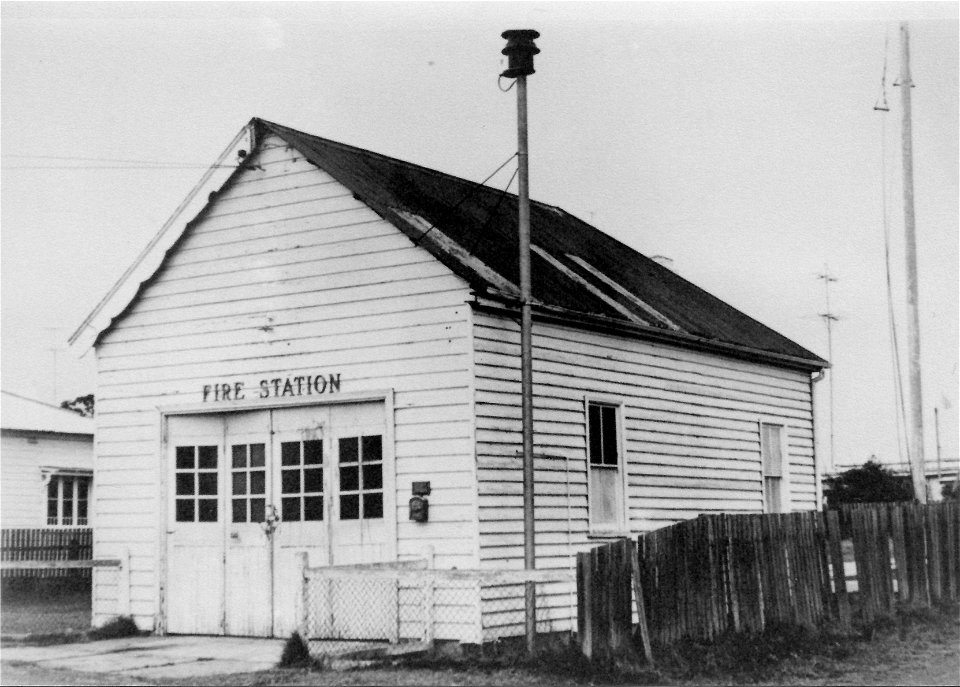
x: 577, y: 269
x: 26, y: 414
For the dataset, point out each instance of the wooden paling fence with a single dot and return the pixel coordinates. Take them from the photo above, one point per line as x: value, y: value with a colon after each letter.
x: 744, y: 573
x: 604, y: 623
x: 40, y: 544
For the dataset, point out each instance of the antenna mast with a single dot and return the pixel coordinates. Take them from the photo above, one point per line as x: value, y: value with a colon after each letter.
x: 829, y: 318
x: 913, y: 317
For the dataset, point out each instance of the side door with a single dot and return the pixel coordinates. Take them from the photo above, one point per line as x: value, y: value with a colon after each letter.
x: 195, y: 567
x: 363, y: 502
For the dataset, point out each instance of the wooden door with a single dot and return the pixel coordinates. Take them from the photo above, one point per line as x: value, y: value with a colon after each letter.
x: 195, y: 570
x: 363, y: 500
x: 249, y: 548
x: 301, y: 450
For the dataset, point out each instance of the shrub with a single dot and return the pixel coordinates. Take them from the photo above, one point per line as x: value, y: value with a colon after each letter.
x: 121, y: 626
x: 870, y: 483
x: 296, y: 653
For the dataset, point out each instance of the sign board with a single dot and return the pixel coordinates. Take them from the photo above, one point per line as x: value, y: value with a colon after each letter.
x: 277, y: 387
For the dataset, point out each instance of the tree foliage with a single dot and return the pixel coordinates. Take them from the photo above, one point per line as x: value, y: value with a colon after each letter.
x: 869, y: 483
x: 81, y: 404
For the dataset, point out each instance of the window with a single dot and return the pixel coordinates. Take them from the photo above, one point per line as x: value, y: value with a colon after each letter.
x: 248, y: 476
x: 607, y: 511
x: 196, y: 483
x: 771, y: 448
x: 301, y: 480
x: 68, y: 498
x: 361, y: 478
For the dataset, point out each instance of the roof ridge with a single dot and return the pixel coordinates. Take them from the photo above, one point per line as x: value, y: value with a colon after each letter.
x: 435, y: 172
x: 395, y: 160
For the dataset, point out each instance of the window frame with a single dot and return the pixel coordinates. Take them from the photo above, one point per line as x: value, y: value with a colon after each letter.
x: 221, y: 471
x: 784, y: 501
x: 360, y: 492
x: 621, y: 526
x: 48, y: 475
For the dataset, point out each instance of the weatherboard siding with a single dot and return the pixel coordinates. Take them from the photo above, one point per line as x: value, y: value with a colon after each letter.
x: 691, y: 423
x: 691, y: 436
x: 288, y: 274
x: 22, y: 492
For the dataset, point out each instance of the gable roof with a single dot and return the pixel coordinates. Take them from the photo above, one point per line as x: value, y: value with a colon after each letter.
x: 579, y: 274
x: 26, y: 414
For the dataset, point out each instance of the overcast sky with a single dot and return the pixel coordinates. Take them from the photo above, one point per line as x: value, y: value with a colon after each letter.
x: 738, y: 140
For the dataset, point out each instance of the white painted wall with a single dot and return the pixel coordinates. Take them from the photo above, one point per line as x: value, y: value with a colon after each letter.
x: 691, y: 437
x: 287, y: 274
x: 22, y: 453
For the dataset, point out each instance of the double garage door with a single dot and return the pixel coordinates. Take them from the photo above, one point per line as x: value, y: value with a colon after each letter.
x: 249, y: 491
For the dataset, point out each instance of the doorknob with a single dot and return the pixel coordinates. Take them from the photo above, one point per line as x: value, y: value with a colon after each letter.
x: 272, y: 521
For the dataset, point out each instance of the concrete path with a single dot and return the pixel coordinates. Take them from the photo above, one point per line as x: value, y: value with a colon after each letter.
x: 156, y: 657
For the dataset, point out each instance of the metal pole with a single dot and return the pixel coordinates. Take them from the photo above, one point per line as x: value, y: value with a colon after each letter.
x: 526, y: 364
x: 913, y: 316
x: 936, y: 424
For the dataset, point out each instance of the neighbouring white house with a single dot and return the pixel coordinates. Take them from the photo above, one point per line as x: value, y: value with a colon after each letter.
x: 46, y: 464
x: 320, y: 333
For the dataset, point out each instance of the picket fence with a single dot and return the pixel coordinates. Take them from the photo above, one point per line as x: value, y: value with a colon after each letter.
x: 45, y: 544
x: 743, y: 573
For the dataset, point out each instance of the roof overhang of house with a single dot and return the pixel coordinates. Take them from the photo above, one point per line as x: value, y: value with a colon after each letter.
x: 616, y: 327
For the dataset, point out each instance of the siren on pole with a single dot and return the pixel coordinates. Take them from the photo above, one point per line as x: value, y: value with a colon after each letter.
x: 520, y: 51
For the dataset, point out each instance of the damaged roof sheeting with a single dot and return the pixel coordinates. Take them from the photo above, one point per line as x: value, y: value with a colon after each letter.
x: 579, y: 273
x: 611, y: 280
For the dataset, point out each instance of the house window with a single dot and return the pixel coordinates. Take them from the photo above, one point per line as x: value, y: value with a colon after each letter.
x: 361, y: 478
x: 606, y: 479
x: 67, y: 501
x: 771, y: 448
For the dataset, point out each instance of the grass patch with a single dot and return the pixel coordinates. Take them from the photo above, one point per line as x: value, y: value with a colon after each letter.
x: 54, y: 610
x: 48, y: 606
x: 780, y: 655
x: 557, y: 656
x: 750, y: 657
x: 789, y: 653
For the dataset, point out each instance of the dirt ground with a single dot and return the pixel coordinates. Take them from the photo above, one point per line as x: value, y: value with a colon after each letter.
x: 919, y: 651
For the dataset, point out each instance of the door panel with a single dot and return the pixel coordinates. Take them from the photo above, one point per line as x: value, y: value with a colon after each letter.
x: 362, y: 503
x: 359, y: 531
x: 300, y: 474
x: 249, y: 554
x: 195, y: 578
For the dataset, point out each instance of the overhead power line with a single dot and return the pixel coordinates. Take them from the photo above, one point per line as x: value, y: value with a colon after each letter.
x: 86, y: 168
x: 74, y: 162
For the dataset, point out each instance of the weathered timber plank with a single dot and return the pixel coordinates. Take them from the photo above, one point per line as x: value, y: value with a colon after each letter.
x: 835, y: 545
